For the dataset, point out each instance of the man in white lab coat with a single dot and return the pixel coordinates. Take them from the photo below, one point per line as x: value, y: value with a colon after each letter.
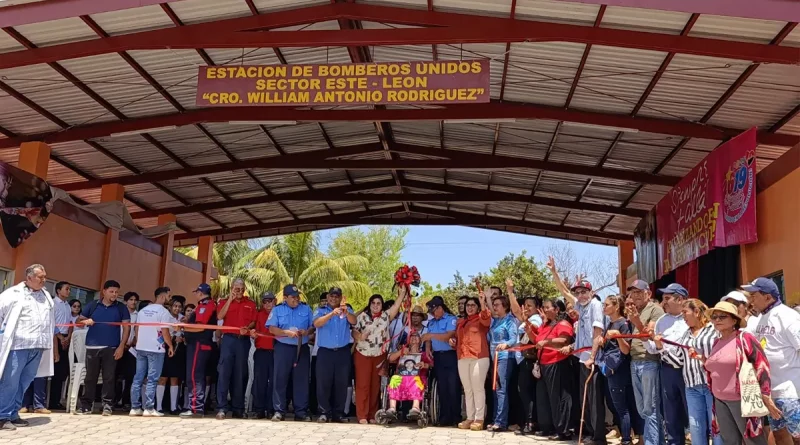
x: 27, y: 330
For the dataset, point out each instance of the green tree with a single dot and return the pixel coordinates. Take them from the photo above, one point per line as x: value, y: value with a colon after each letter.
x: 381, y: 246
x: 530, y: 277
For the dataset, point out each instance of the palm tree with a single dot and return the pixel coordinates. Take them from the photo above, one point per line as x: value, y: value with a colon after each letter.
x: 283, y: 260
x: 297, y: 259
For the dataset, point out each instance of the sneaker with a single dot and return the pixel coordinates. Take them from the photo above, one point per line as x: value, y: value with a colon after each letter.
x: 107, y: 411
x: 152, y: 413
x: 278, y: 417
x: 42, y: 411
x: 136, y: 412
x: 83, y: 412
x: 189, y: 414
x: 7, y: 425
x: 19, y: 423
x: 322, y: 419
x: 302, y: 418
x: 220, y: 415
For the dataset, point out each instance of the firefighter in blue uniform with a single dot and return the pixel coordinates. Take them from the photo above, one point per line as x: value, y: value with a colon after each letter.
x: 198, y: 350
x: 333, y: 322
x: 290, y: 323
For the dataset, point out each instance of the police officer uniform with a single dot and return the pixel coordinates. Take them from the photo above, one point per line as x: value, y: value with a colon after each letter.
x: 289, y: 360
x: 446, y: 369
x: 333, y: 360
x: 198, y: 351
x: 234, y: 352
x: 263, y: 364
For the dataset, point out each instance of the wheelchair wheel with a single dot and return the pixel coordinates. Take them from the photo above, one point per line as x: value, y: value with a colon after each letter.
x: 433, y: 402
x: 381, y: 418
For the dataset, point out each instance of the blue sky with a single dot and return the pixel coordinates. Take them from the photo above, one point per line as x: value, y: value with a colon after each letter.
x: 440, y: 251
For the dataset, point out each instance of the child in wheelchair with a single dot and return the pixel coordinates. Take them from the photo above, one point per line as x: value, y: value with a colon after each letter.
x: 410, y: 378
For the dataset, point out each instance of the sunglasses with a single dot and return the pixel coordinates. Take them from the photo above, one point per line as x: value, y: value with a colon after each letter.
x: 720, y: 317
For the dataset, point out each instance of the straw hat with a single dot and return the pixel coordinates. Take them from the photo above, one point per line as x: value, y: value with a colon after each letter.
x: 418, y: 310
x: 728, y: 308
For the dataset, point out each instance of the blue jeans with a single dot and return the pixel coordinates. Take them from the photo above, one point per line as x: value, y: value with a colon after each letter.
x: 699, y: 402
x: 20, y: 370
x: 147, y: 364
x: 647, y: 391
x: 620, y: 391
x: 505, y: 367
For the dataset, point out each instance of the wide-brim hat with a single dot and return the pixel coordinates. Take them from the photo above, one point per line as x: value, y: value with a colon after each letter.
x: 728, y: 308
x: 418, y: 310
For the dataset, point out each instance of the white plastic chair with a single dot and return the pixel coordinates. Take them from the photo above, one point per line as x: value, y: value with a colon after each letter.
x: 77, y: 362
x: 248, y: 400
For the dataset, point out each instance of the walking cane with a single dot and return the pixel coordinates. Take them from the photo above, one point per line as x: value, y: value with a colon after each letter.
x: 583, y: 407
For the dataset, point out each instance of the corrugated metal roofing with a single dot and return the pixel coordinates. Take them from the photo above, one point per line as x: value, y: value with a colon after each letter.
x: 612, y: 81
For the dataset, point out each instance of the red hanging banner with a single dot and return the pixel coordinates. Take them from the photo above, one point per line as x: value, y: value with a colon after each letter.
x: 713, y: 206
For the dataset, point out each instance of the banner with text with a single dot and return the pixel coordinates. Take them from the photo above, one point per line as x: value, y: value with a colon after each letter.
x: 464, y: 81
x: 713, y: 206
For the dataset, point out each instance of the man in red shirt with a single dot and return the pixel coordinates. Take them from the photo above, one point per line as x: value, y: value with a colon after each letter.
x: 263, y: 362
x: 240, y: 312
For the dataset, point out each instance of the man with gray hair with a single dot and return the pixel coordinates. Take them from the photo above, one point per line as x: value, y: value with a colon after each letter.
x: 27, y: 331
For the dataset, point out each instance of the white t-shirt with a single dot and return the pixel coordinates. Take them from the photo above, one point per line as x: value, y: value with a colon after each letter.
x: 151, y: 338
x: 752, y: 323
x: 778, y: 332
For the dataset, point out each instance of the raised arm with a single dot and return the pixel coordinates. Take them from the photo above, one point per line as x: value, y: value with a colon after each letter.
x: 560, y: 286
x: 512, y: 301
x: 402, y: 294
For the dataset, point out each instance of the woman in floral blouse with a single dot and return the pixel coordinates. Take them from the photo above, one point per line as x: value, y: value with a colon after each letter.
x: 371, y: 333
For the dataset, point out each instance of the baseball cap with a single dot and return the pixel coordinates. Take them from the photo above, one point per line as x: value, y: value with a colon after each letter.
x: 267, y: 296
x: 204, y: 289
x: 581, y: 283
x: 736, y: 296
x: 675, y: 288
x: 335, y: 291
x: 763, y: 285
x: 435, y: 302
x: 640, y: 285
x: 290, y: 290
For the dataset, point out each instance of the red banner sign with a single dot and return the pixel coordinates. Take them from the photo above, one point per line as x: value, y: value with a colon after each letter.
x: 713, y: 206
x: 463, y: 81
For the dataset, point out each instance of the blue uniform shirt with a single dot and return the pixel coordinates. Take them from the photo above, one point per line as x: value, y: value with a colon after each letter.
x: 443, y: 325
x: 286, y: 318
x: 336, y: 332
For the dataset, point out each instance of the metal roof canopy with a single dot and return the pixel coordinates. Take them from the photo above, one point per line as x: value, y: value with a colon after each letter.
x: 597, y: 109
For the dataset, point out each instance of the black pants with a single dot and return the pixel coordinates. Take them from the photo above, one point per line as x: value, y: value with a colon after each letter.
x: 232, y: 368
x: 60, y: 375
x: 333, y: 378
x: 197, y: 356
x: 313, y: 404
x: 99, y: 360
x: 527, y: 392
x: 263, y: 370
x: 594, y: 426
x: 126, y: 369
x: 559, y: 387
x: 446, y: 372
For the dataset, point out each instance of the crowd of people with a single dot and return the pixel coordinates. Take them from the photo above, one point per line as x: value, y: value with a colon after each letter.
x: 664, y: 366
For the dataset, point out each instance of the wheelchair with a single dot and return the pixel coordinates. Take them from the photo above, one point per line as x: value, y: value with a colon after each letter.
x: 429, y: 406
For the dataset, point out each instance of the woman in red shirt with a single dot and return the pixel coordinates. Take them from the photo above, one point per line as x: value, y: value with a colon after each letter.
x: 472, y: 349
x: 555, y: 333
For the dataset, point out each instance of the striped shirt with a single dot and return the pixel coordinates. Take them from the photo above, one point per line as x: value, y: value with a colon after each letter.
x: 693, y: 372
x: 35, y: 327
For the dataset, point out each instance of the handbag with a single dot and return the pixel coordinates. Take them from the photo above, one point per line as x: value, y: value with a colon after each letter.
x: 609, y: 361
x: 749, y: 390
